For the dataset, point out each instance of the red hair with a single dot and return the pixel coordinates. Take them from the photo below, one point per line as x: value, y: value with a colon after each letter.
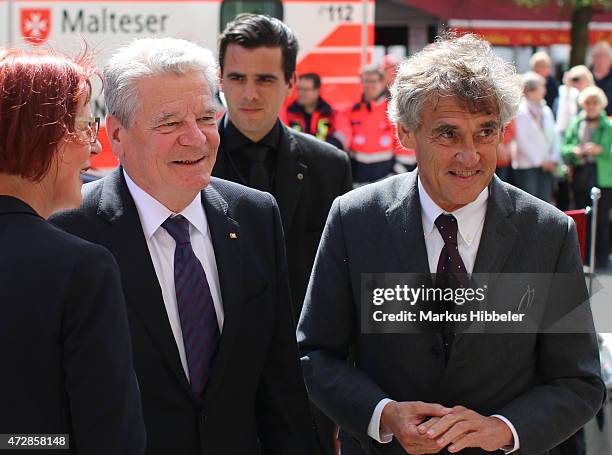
x: 39, y: 94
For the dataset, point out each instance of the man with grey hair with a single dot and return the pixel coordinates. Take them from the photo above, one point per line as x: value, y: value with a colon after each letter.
x: 202, y: 263
x: 601, y: 61
x: 445, y: 390
x: 541, y: 63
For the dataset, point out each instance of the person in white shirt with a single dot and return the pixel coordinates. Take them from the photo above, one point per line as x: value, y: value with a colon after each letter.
x: 536, y: 155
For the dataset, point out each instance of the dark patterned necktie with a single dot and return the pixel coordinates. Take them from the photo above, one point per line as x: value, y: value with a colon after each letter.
x: 259, y: 178
x: 195, y: 306
x: 451, y: 272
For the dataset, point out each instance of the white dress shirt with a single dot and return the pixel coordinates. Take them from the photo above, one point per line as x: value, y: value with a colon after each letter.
x: 470, y: 221
x: 161, y: 246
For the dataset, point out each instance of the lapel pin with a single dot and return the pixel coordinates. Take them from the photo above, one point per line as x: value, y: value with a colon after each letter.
x: 300, y: 176
x: 233, y: 235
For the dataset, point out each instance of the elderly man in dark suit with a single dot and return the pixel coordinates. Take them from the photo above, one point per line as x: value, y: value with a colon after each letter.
x: 476, y: 392
x: 202, y: 265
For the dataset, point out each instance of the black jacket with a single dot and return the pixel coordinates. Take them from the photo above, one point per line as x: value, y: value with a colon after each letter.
x: 66, y: 352
x: 310, y: 174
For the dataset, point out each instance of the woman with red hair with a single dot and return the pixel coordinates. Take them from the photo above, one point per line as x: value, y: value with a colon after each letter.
x: 66, y: 353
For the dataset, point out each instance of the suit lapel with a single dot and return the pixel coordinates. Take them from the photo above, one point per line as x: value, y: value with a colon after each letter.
x: 406, y: 227
x: 141, y: 287
x: 291, y: 172
x: 404, y: 223
x: 498, y: 232
x: 225, y: 235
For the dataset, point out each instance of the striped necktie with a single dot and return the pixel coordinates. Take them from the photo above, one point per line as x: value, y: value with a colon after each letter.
x: 195, y: 306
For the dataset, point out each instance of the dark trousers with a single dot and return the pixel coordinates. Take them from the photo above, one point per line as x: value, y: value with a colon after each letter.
x: 535, y: 181
x: 582, y: 198
x: 563, y: 195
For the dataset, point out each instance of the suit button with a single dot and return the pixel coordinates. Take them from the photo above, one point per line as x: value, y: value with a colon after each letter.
x: 300, y: 176
x: 436, y: 352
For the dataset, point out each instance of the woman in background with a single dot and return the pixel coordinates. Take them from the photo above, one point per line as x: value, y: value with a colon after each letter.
x: 536, y: 154
x: 566, y: 107
x: 575, y: 80
x: 587, y: 147
x: 66, y: 351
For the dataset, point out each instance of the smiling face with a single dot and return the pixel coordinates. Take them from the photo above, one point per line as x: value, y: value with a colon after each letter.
x: 456, y: 151
x: 254, y: 86
x: 171, y: 147
x: 73, y: 157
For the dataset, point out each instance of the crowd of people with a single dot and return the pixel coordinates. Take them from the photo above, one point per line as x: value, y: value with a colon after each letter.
x: 206, y: 297
x: 559, y: 145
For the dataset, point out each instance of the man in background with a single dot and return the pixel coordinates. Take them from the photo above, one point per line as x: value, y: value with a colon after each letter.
x: 540, y: 63
x: 257, y: 57
x: 374, y: 150
x: 311, y: 114
x: 601, y: 60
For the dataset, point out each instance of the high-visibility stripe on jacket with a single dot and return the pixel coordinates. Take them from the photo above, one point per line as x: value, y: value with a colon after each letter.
x: 374, y: 145
x: 324, y: 123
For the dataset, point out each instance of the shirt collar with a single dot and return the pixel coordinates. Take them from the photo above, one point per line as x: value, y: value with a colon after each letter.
x: 469, y: 217
x: 153, y: 213
x: 234, y: 140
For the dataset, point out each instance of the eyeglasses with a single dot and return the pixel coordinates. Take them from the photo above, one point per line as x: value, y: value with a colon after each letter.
x: 93, y: 127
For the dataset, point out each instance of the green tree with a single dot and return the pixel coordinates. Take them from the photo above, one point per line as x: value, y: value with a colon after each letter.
x: 580, y: 13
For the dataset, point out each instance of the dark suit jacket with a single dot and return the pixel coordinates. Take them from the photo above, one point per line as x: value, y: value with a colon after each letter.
x: 310, y: 174
x: 255, y: 400
x: 547, y: 385
x: 66, y: 352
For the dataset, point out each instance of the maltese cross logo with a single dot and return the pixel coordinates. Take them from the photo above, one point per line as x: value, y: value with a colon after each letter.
x: 35, y: 25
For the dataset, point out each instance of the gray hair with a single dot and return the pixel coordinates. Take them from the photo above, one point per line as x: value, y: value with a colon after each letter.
x: 602, y: 46
x: 149, y: 57
x: 372, y: 69
x: 532, y: 81
x: 539, y: 57
x: 578, y: 71
x: 464, y: 67
x: 593, y: 92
